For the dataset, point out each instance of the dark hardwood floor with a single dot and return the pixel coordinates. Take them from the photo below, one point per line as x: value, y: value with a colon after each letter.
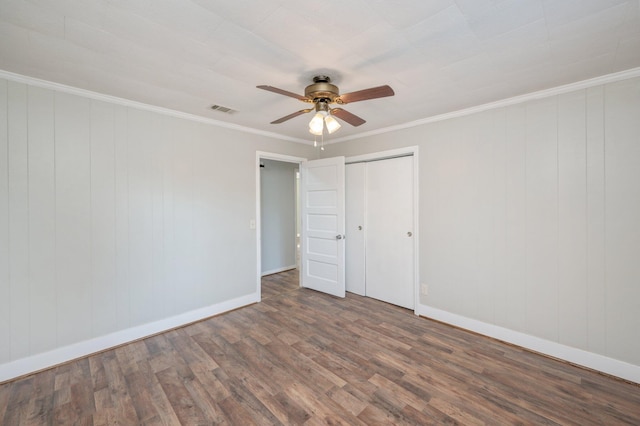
x: 302, y: 357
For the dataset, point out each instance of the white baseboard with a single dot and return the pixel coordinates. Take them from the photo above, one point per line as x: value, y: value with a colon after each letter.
x: 581, y: 357
x: 275, y: 271
x: 61, y: 355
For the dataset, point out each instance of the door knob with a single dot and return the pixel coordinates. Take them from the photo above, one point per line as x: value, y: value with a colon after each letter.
x: 409, y: 234
x: 339, y: 237
x: 359, y: 228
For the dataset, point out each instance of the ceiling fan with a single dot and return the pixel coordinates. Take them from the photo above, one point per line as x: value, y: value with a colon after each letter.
x: 322, y: 94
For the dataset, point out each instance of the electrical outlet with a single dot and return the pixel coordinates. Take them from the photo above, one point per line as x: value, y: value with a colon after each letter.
x: 424, y: 289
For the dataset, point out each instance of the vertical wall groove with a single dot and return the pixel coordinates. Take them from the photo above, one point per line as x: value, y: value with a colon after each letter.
x: 557, y: 230
x: 28, y: 200
x: 607, y: 350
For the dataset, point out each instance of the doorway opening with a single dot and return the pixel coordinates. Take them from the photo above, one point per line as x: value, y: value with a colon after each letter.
x: 280, y: 230
x: 277, y: 215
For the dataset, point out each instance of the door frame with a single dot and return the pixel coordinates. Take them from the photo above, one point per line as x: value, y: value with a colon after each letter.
x: 403, y: 152
x: 262, y: 155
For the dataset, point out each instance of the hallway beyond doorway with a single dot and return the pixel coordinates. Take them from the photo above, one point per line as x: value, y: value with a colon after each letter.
x: 280, y: 283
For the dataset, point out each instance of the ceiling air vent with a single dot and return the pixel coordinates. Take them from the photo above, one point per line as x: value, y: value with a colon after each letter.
x: 222, y: 109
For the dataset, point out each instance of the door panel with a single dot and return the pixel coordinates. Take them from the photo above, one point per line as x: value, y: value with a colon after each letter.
x: 389, y: 232
x: 322, y: 190
x: 355, y: 175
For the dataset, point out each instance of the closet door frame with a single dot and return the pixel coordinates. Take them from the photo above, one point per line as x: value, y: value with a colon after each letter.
x: 402, y: 152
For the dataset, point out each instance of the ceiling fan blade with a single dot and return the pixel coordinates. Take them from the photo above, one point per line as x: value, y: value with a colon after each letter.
x: 290, y: 116
x: 283, y: 92
x: 344, y: 115
x: 363, y: 95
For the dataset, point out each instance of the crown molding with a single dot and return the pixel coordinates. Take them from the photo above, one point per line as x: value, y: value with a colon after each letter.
x: 32, y: 81
x: 554, y: 91
x: 583, y: 84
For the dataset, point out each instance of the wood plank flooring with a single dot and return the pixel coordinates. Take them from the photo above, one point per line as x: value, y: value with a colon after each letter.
x: 302, y: 357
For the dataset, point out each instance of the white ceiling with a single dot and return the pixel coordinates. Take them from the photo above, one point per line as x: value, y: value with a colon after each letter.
x: 438, y: 55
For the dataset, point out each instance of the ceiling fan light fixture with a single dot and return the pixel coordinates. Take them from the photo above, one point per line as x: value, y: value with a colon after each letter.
x: 332, y: 124
x: 315, y: 132
x: 316, y: 123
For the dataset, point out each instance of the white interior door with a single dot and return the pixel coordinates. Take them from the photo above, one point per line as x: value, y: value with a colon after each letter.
x: 355, y: 175
x: 389, y: 231
x: 323, y: 221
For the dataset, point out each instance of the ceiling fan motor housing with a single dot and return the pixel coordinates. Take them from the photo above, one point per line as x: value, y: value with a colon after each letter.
x: 322, y: 89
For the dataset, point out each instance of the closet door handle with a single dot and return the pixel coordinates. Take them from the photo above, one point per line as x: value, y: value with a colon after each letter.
x: 339, y: 237
x: 359, y: 227
x: 409, y: 234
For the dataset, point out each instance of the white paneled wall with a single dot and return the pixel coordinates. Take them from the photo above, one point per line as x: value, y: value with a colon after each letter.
x: 72, y: 156
x: 541, y: 219
x: 104, y: 295
x: 544, y: 219
x: 596, y: 287
x: 572, y: 219
x: 530, y: 217
x: 113, y: 217
x: 42, y: 220
x: 622, y: 220
x: 513, y: 308
x: 18, y: 220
